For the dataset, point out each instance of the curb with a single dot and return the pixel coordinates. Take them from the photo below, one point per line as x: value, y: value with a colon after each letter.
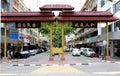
x: 48, y: 64
x: 61, y: 64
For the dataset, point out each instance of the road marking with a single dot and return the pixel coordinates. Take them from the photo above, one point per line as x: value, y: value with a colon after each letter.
x: 20, y: 64
x: 32, y: 65
x: 7, y: 74
x: 117, y: 62
x: 56, y: 69
x: 106, y: 72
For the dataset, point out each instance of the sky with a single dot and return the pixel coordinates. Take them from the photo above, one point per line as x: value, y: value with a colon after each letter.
x: 35, y: 4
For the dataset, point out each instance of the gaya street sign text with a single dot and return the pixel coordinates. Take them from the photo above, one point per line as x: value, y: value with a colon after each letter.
x: 27, y: 24
x: 84, y: 24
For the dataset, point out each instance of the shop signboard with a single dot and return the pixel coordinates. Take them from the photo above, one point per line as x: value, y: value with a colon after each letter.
x: 13, y: 31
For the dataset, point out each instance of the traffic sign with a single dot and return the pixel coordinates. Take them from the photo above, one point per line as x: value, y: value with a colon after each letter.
x: 104, y: 42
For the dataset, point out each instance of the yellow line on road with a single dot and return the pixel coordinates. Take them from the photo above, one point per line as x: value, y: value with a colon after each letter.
x: 106, y: 72
x: 56, y: 69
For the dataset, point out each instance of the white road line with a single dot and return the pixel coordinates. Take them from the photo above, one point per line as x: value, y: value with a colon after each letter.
x: 117, y: 62
x: 8, y: 74
x: 66, y: 64
x: 55, y: 65
x: 43, y: 64
x: 106, y: 72
x: 32, y: 64
x: 78, y: 64
x: 20, y: 64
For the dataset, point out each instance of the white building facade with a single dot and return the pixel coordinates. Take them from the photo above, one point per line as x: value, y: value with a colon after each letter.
x: 94, y: 37
x: 112, y: 6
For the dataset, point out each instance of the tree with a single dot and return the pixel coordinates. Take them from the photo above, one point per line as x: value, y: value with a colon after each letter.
x: 57, y: 31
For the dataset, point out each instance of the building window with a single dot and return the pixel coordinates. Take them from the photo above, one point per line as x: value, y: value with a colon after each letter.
x: 103, y: 30
x: 117, y: 26
x: 117, y: 7
x: 5, y: 6
x: 102, y: 3
x: 109, y: 29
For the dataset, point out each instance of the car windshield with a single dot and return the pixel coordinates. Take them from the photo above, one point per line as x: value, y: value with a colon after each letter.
x: 91, y: 50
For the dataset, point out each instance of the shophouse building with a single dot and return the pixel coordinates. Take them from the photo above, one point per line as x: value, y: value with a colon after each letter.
x: 94, y: 37
x: 112, y: 6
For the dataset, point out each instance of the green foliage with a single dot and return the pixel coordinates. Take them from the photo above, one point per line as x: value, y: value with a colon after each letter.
x: 45, y: 29
x: 57, y: 31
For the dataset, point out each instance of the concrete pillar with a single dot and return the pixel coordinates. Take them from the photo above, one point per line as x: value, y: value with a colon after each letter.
x: 111, y: 49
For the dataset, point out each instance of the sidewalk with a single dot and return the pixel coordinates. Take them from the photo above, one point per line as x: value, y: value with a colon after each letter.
x: 116, y: 58
x: 8, y: 60
x: 111, y: 59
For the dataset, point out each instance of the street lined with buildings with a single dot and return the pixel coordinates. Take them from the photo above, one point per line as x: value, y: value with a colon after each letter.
x: 36, y: 43
x: 73, y: 65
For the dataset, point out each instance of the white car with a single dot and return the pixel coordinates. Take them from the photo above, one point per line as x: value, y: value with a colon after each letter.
x: 76, y: 52
x: 82, y: 49
x: 88, y: 52
x: 68, y: 50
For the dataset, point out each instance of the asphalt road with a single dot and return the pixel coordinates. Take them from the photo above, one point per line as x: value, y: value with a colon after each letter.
x: 39, y: 65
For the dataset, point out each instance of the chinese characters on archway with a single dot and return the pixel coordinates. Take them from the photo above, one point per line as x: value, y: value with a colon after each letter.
x: 27, y: 24
x: 85, y: 24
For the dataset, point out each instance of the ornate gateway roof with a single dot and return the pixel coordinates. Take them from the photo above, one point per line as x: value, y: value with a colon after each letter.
x: 87, y: 16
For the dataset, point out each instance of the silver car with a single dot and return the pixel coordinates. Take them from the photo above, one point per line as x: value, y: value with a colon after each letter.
x: 76, y: 52
x: 88, y: 52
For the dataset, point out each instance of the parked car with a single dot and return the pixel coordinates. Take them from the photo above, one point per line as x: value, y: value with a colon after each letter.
x: 68, y: 50
x: 39, y: 51
x: 89, y: 52
x: 33, y: 52
x: 76, y: 52
x: 82, y: 49
x: 24, y: 54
